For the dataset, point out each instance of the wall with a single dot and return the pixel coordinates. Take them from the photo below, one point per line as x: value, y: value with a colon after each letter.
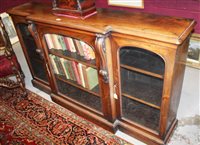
x: 180, y: 8
x: 6, y: 4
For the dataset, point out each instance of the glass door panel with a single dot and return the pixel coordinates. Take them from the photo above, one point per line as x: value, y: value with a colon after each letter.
x: 37, y: 64
x: 140, y: 113
x: 142, y: 59
x: 141, y: 86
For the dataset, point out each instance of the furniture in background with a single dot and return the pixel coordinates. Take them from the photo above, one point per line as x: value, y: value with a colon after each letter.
x: 9, y: 65
x: 118, y: 69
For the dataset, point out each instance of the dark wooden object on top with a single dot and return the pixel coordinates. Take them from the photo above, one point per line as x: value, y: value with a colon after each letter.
x: 140, y: 60
x: 74, y: 8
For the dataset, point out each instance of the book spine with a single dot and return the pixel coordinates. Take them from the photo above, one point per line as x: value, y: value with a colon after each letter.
x: 62, y: 60
x: 85, y: 50
x: 92, y: 77
x: 71, y: 72
x: 53, y: 64
x: 49, y: 41
x: 91, y: 53
x: 75, y: 46
x: 71, y: 44
x: 85, y: 76
x: 76, y: 72
x: 67, y: 44
x: 56, y: 42
x: 59, y: 65
x: 67, y: 69
x: 81, y: 74
x: 62, y: 42
x: 79, y: 47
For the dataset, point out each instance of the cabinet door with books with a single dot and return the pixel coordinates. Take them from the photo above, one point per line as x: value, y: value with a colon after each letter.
x: 74, y: 66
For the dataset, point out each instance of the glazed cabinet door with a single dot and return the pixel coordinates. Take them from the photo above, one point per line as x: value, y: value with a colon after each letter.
x: 142, y: 85
x: 33, y: 54
x: 75, y: 64
x: 141, y: 74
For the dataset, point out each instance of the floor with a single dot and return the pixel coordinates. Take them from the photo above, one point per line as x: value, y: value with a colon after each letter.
x: 187, y: 132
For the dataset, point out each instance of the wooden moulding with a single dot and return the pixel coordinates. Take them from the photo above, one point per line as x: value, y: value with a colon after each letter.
x: 74, y: 8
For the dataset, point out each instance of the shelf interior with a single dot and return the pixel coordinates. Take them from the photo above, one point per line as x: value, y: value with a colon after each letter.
x: 142, y: 59
x: 73, y: 56
x: 70, y: 47
x: 141, y: 86
x: 94, y: 91
x: 142, y: 77
x: 140, y: 113
x: 79, y: 95
x: 36, y: 61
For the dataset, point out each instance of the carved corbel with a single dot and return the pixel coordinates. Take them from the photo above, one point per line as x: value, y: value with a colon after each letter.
x: 101, y: 48
x: 34, y: 33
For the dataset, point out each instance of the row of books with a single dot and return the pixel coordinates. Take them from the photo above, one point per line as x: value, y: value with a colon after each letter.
x: 72, y: 70
x: 60, y: 42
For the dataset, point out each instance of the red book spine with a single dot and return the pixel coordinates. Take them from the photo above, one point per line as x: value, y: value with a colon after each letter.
x: 74, y: 65
x: 67, y: 43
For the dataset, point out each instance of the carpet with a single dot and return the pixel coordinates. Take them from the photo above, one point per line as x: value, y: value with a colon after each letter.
x: 33, y: 120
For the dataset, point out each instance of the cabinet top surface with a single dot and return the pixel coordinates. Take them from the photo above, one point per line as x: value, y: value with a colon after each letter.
x: 161, y: 28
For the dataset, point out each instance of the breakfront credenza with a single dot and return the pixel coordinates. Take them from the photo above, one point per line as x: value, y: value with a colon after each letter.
x: 117, y: 69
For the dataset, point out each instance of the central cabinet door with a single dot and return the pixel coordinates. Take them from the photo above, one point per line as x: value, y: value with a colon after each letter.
x: 74, y: 65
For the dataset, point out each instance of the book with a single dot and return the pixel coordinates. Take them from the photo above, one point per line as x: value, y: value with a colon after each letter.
x: 84, y: 67
x: 71, y: 71
x: 67, y: 69
x: 59, y: 66
x: 49, y: 41
x: 79, y: 47
x: 62, y: 60
x: 67, y: 43
x: 62, y: 42
x: 92, y: 77
x: 71, y: 44
x: 91, y: 53
x: 53, y: 64
x: 56, y: 43
x: 75, y: 69
x: 81, y: 74
x: 85, y: 50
